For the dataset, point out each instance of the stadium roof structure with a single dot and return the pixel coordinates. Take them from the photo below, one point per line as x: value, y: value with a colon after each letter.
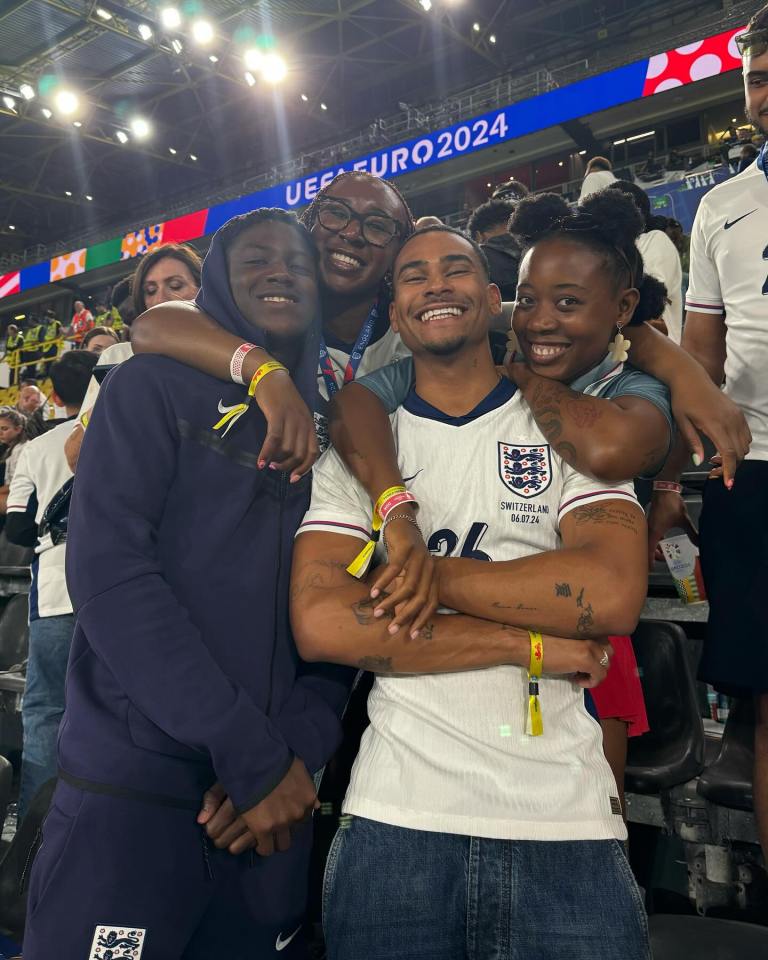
x: 207, y: 123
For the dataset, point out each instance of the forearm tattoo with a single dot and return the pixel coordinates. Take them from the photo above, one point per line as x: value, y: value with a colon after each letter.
x: 616, y: 515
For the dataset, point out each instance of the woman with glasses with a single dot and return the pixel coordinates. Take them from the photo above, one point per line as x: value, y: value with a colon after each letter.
x: 358, y: 222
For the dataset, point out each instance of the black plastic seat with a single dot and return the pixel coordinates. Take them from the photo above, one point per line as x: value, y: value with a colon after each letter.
x: 727, y: 781
x: 672, y: 752
x: 14, y: 632
x: 682, y: 937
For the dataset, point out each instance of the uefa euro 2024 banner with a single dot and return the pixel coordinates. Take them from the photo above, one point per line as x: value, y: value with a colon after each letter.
x: 644, y: 78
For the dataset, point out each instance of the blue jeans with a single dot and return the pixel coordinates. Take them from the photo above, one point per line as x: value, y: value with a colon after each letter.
x: 43, y: 703
x: 397, y: 894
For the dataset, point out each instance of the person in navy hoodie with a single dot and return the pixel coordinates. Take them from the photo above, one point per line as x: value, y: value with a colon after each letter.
x: 183, y: 672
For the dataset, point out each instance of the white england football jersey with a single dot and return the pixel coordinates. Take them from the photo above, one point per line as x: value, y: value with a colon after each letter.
x: 729, y: 273
x: 449, y: 752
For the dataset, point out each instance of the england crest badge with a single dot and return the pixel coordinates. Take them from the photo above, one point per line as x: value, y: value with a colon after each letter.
x: 525, y: 470
x: 117, y: 943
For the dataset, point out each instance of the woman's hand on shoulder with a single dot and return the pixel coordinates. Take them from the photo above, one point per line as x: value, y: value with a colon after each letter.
x: 291, y: 442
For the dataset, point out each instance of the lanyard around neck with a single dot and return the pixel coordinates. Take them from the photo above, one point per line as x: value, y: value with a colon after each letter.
x: 355, y: 358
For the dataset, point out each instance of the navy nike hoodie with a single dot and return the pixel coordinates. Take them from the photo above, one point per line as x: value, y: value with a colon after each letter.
x: 183, y: 670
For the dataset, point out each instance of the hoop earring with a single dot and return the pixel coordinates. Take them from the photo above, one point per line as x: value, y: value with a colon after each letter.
x: 619, y: 348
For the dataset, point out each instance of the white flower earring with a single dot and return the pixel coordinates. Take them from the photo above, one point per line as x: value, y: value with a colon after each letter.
x: 619, y: 349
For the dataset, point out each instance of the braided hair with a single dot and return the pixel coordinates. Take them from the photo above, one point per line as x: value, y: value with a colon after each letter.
x: 607, y: 222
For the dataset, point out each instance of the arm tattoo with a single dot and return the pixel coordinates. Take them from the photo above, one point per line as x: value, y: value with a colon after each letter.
x: 586, y: 619
x: 518, y: 606
x: 614, y: 516
x: 363, y: 611
x: 318, y: 574
x: 545, y: 406
x: 562, y: 589
x: 376, y: 664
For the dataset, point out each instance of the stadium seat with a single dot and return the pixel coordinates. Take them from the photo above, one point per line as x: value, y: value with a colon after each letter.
x: 676, y: 937
x: 672, y: 752
x: 728, y: 780
x: 14, y: 632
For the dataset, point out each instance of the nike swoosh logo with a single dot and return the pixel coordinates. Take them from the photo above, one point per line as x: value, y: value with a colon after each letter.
x: 408, y: 479
x: 223, y: 409
x: 732, y: 223
x: 281, y: 944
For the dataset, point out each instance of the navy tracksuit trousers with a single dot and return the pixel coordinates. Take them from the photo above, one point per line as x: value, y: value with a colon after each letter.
x: 120, y: 879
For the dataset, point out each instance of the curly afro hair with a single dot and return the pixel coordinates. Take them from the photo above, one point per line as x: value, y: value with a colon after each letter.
x: 609, y: 223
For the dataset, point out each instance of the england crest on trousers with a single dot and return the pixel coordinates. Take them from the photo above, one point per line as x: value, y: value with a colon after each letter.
x: 525, y: 470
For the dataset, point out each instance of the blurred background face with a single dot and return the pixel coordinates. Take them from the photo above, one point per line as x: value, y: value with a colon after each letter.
x: 168, y: 279
x: 30, y: 399
x: 349, y: 264
x: 100, y: 343
x: 9, y: 434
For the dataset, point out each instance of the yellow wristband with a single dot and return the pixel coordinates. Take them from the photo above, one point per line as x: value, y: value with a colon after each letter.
x: 537, y: 654
x: 389, y: 492
x: 535, y: 726
x: 262, y: 371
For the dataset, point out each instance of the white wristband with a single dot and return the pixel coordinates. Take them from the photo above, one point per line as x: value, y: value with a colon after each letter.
x: 236, y: 363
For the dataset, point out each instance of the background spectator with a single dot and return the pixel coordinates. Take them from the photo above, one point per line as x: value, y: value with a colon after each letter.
x: 749, y: 153
x: 14, y: 340
x: 30, y: 351
x: 660, y: 257
x: 12, y: 424
x: 99, y: 339
x: 82, y: 321
x: 40, y: 474
x: 488, y: 227
x: 51, y: 341
x: 598, y: 176
x: 170, y: 273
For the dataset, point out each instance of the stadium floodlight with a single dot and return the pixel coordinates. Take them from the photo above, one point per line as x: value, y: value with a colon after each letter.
x: 250, y: 79
x: 304, y: 97
x: 47, y: 113
x: 77, y: 123
x: 172, y: 151
x: 141, y: 128
x: 253, y: 59
x: 12, y: 226
x: 103, y: 14
x: 425, y: 5
x: 122, y: 136
x: 641, y: 136
x: 323, y: 106
x: 145, y: 31
x: 202, y: 31
x: 213, y: 58
x: 170, y: 18
x: 88, y: 196
x: 492, y: 38
x: 476, y: 27
x: 67, y: 193
x: 27, y: 91
x: 274, y: 69
x: 9, y: 103
x: 66, y: 101
x: 177, y: 45
x: 193, y: 158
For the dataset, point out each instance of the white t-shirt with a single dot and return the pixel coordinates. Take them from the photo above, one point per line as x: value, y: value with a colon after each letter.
x: 111, y: 357
x: 594, y: 182
x: 41, y: 472
x: 449, y: 752
x: 729, y: 274
x: 662, y: 261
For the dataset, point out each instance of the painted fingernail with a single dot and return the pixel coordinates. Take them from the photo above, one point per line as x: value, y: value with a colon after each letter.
x: 415, y: 634
x: 378, y: 612
x: 696, y: 460
x: 261, y: 464
x: 393, y: 629
x: 273, y: 466
x: 729, y: 484
x: 374, y: 593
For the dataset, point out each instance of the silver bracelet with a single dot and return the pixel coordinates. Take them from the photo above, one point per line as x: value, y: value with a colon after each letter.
x: 396, y: 516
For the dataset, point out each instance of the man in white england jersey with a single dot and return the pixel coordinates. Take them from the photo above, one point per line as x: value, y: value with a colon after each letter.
x: 466, y: 828
x: 726, y: 330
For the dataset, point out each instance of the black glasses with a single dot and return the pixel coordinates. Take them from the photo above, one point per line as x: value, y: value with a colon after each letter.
x: 376, y: 228
x: 754, y: 42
